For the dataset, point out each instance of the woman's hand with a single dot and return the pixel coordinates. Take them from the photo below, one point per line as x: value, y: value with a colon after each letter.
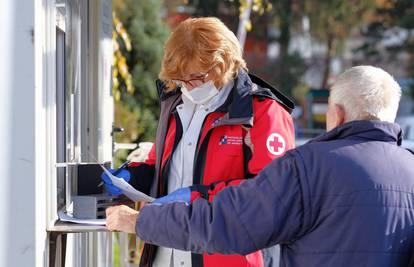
x: 121, y: 218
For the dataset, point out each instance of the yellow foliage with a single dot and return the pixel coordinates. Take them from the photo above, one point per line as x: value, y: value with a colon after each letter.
x: 120, y: 71
x: 256, y: 6
x: 248, y: 25
x: 269, y: 7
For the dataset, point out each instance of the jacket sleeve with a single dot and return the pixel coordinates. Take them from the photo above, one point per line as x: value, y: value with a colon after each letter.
x: 271, y: 136
x: 258, y: 213
x: 142, y: 173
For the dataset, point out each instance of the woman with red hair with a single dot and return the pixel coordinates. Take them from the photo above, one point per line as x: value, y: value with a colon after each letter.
x: 218, y: 125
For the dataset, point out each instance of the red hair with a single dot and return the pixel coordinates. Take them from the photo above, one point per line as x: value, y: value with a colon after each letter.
x: 204, y: 43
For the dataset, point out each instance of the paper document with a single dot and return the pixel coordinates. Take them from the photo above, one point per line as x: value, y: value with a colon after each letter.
x: 68, y: 218
x: 127, y: 189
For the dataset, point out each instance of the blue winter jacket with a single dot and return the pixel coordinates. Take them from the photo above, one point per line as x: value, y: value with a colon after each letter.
x: 344, y: 199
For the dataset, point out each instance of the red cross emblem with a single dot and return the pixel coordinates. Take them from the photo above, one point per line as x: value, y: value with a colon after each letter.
x: 276, y: 144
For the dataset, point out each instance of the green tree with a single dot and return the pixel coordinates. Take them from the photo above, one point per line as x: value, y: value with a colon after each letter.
x: 138, y: 107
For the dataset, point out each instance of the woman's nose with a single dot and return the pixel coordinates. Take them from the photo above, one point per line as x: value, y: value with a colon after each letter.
x: 193, y: 84
x: 189, y: 87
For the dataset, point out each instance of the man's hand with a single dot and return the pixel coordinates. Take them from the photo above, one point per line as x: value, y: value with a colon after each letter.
x: 121, y: 218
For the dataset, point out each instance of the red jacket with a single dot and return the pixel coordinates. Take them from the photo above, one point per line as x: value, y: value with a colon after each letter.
x: 236, y: 141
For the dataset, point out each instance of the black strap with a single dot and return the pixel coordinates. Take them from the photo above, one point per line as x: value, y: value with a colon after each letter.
x: 197, y: 260
x: 280, y: 97
x: 411, y: 151
x: 148, y: 255
x: 247, y: 154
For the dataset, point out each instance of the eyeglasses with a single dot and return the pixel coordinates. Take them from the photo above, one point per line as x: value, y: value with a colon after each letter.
x: 197, y: 79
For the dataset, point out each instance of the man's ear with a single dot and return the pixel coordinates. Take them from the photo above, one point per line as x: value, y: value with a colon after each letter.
x: 340, y: 114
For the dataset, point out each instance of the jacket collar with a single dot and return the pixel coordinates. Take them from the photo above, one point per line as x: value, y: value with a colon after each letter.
x: 364, y: 129
x: 162, y: 94
x: 239, y: 104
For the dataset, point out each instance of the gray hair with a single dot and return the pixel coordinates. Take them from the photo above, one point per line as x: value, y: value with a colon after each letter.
x: 367, y: 92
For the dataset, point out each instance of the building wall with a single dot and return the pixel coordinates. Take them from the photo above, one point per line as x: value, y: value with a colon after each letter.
x: 19, y: 225
x: 28, y: 131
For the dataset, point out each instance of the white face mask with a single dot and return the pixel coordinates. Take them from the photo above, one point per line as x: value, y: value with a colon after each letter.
x: 200, y: 94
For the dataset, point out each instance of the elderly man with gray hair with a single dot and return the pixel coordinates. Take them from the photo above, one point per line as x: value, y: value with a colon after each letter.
x: 346, y: 198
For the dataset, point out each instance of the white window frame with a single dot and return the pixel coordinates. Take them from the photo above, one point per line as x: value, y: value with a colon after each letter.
x: 91, y: 117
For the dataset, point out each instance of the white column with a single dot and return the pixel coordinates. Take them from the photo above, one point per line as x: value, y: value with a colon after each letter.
x: 20, y: 99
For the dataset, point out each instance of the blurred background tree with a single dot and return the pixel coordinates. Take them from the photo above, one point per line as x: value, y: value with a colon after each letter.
x: 390, y: 32
x: 134, y: 74
x: 289, y: 66
x: 332, y: 22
